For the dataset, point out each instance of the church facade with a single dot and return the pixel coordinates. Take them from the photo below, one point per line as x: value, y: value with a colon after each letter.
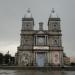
x: 40, y: 47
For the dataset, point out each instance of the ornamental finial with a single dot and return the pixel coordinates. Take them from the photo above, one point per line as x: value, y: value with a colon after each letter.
x: 28, y: 10
x: 53, y: 10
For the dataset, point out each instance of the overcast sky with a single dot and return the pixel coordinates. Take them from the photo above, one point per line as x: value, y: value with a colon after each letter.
x: 11, y: 12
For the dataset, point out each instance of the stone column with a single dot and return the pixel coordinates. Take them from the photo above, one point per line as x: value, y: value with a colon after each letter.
x: 34, y: 61
x: 36, y: 39
x: 45, y: 40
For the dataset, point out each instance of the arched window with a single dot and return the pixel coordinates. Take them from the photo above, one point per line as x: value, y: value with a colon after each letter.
x: 55, y: 42
x: 55, y: 26
x: 27, y: 25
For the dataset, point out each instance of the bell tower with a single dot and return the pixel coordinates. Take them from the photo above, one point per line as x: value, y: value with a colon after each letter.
x: 28, y: 21
x: 26, y: 41
x: 53, y: 21
x: 55, y: 43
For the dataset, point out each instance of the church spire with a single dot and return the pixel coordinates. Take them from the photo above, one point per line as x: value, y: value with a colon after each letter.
x: 28, y: 14
x: 53, y: 14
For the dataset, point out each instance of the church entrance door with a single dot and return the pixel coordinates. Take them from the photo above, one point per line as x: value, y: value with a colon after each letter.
x: 40, y: 59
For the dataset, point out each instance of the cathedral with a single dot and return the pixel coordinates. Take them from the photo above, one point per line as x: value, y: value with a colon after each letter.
x: 40, y: 47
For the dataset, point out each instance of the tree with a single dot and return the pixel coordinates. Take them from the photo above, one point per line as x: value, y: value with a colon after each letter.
x: 7, y: 58
x: 64, y: 54
x: 12, y: 60
x: 1, y: 58
x: 72, y: 64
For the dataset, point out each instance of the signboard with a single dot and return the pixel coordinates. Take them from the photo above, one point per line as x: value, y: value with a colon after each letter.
x: 41, y: 47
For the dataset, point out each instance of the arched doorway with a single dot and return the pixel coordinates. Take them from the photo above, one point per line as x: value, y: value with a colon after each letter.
x: 40, y: 59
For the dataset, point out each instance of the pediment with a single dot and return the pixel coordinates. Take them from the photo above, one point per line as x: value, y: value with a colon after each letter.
x: 40, y: 32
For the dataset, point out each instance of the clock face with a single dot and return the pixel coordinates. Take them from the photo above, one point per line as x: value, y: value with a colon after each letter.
x: 40, y: 40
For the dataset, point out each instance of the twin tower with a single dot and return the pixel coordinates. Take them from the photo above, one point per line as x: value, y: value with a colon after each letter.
x: 40, y: 47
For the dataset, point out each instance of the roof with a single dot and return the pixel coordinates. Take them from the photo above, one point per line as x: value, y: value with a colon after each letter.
x: 28, y: 14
